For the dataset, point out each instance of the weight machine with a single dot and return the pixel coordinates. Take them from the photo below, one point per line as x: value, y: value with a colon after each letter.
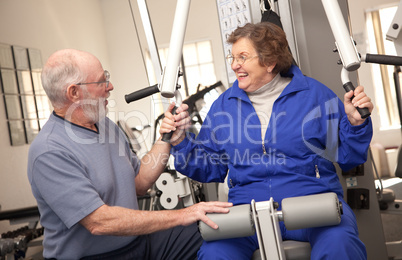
x: 349, y: 57
x: 263, y: 217
x: 14, y: 244
x: 172, y: 189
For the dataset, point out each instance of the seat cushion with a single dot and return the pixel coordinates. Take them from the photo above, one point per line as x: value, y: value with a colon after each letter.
x: 295, y: 250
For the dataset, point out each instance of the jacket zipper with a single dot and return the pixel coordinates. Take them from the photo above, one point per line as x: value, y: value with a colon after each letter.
x: 263, y: 147
x: 317, y: 172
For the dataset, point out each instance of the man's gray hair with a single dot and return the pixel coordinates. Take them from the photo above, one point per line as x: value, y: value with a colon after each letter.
x: 59, y: 73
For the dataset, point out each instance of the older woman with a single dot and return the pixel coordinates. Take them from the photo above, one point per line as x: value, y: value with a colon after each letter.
x: 276, y: 133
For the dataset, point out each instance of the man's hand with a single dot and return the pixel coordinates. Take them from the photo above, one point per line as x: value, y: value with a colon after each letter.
x: 198, y: 212
x: 180, y: 122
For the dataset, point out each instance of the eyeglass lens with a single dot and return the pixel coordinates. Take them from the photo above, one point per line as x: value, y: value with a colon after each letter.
x: 240, y: 60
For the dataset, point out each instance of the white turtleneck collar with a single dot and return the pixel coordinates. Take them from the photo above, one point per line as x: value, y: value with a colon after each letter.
x: 264, y: 98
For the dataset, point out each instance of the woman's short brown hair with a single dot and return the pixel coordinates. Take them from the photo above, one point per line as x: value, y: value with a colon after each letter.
x: 269, y: 40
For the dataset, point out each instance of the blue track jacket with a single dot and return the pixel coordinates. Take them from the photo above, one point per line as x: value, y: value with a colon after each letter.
x: 307, y: 132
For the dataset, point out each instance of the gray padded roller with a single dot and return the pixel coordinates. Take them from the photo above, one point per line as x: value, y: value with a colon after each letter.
x: 311, y: 211
x: 237, y: 223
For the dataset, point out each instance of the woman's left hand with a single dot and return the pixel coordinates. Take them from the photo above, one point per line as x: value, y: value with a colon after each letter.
x: 180, y: 121
x: 360, y: 100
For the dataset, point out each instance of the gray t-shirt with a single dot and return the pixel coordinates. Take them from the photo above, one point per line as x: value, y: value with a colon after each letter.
x: 73, y: 171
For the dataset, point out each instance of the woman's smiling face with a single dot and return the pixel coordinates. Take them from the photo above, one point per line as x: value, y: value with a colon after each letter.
x: 251, y: 74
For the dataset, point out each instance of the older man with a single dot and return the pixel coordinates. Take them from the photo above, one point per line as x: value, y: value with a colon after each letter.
x: 86, y: 180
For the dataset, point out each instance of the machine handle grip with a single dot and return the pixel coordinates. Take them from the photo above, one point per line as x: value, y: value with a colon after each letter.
x: 167, y: 136
x: 136, y: 95
x: 383, y: 59
x: 364, y: 112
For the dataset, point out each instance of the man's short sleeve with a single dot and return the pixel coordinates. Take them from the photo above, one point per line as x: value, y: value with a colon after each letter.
x: 61, y: 182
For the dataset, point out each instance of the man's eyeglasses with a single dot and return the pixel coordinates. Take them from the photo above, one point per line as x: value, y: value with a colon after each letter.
x: 107, y: 79
x: 240, y: 59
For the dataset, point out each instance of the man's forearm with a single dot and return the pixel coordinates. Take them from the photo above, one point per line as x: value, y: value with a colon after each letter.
x: 118, y: 221
x: 152, y: 165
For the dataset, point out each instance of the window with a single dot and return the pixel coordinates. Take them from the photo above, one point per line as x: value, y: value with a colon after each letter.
x: 199, y: 65
x: 377, y: 23
x: 198, y: 70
